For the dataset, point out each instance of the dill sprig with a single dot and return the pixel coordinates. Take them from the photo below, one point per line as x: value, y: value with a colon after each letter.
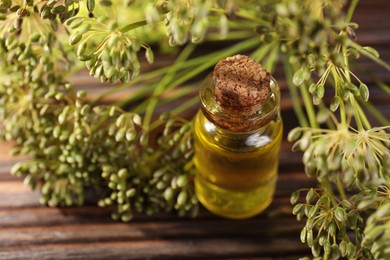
x: 76, y: 146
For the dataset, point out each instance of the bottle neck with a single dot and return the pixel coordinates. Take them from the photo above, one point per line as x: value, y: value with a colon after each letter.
x: 234, y: 120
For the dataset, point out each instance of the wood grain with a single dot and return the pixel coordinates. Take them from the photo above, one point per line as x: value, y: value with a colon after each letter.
x: 31, y: 231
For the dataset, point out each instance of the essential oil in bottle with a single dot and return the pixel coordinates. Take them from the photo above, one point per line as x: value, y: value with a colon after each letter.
x: 238, y: 133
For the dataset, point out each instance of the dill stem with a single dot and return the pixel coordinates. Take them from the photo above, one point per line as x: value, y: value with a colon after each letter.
x: 343, y: 115
x: 169, y: 81
x: 294, y: 94
x: 305, y: 95
x: 309, y: 106
x: 369, y: 55
x: 340, y: 188
x: 351, y: 10
x: 183, y: 107
x: 329, y: 190
x: 166, y: 80
x: 360, y: 116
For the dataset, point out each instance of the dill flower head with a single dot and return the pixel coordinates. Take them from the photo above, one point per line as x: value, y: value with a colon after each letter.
x: 363, y: 156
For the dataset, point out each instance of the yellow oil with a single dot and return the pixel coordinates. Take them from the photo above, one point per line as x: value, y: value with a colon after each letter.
x: 236, y: 173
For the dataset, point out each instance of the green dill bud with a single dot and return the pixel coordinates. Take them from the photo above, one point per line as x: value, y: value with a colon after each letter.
x: 126, y: 217
x: 332, y: 229
x: 130, y: 135
x: 56, y: 131
x: 125, y: 207
x: 297, y: 208
x: 160, y: 185
x: 309, y: 237
x: 194, y: 200
x: 334, y: 103
x: 81, y: 48
x: 303, y: 235
x: 371, y: 51
x: 340, y: 214
x: 322, y: 239
x: 9, y: 40
x: 327, y: 247
x: 46, y: 188
x: 316, y: 250
x: 313, y: 211
x: 294, y: 197
x: 59, y: 9
x: 372, y: 234
x: 120, y: 120
x: 72, y: 20
x: 168, y: 194
x: 343, y: 248
x: 320, y: 91
x: 59, y: 96
x: 16, y: 169
x: 364, y: 92
x: 310, y: 223
x: 101, y: 203
x: 149, y: 55
x: 300, y: 76
x: 109, y: 71
x: 334, y: 252
x: 182, y: 198
x: 305, y: 141
x: 181, y: 181
x: 85, y: 57
x: 120, y: 134
x: 345, y: 94
x: 352, y: 87
x: 114, y: 178
x: 311, y: 195
x: 107, y: 201
x: 130, y: 193
x: 46, y: 12
x: 5, y: 4
x: 366, y: 203
x: 351, y: 250
x: 294, y: 134
x: 90, y: 5
x: 123, y: 173
x: 75, y: 38
x: 120, y: 200
x: 136, y: 181
x: 382, y: 211
x: 105, y: 174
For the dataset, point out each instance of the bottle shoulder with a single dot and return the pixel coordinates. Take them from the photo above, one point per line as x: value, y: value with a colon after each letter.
x: 211, y: 135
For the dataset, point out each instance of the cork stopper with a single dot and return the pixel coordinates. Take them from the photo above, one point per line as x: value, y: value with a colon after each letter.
x: 242, y: 95
x: 241, y: 83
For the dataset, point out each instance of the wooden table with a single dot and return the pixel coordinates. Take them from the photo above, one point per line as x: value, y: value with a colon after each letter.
x: 31, y: 231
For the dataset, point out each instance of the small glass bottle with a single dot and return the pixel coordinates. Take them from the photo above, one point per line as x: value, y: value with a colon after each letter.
x: 236, y: 154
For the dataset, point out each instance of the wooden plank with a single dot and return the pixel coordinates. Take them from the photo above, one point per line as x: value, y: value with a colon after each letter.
x: 31, y: 231
x: 184, y: 248
x: 145, y: 230
x: 46, y: 216
x: 14, y: 194
x: 287, y: 157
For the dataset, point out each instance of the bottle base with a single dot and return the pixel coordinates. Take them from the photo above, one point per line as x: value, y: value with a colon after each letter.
x: 234, y: 204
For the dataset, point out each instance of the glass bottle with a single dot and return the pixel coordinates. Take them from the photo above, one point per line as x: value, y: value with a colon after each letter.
x: 236, y: 170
